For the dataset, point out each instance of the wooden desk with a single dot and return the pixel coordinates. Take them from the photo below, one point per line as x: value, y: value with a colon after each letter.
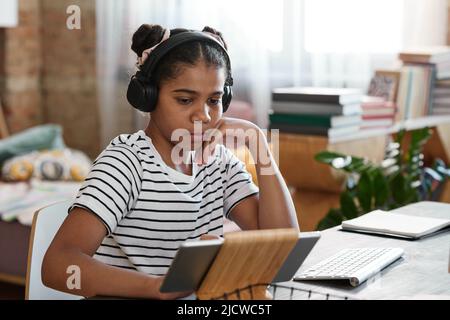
x: 423, y: 270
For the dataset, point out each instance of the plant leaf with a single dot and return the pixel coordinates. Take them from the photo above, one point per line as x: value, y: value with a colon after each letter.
x: 398, y: 188
x: 365, y: 192
x: 381, y: 189
x: 339, y: 161
x: 333, y: 218
x: 348, y: 207
x: 420, y: 136
x: 328, y: 157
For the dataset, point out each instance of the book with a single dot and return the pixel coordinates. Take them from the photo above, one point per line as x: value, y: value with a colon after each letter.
x: 415, y: 92
x: 442, y: 101
x: 443, y: 83
x: 371, y: 100
x: 313, y: 130
x: 441, y: 111
x: 377, y: 107
x: 327, y: 121
x: 317, y: 94
x: 377, y: 123
x: 433, y: 54
x: 316, y: 108
x: 378, y: 113
x: 395, y: 224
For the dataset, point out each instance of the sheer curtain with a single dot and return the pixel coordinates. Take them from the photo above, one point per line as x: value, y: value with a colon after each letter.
x: 272, y: 43
x: 112, y: 37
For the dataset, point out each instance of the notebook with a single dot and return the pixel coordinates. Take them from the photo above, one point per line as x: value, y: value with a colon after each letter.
x: 395, y: 224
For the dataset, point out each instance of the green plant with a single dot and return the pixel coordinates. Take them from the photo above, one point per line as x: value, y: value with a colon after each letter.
x: 401, y: 178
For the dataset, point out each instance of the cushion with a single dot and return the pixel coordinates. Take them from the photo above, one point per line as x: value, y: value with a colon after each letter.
x: 56, y: 165
x: 41, y: 137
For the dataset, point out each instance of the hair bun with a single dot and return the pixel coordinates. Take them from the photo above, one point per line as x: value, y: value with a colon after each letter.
x: 217, y: 34
x: 146, y: 36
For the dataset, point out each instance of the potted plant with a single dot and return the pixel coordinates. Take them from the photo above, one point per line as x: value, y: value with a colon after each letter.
x: 400, y: 179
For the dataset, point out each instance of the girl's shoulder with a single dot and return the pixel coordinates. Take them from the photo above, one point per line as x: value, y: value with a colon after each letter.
x: 136, y: 143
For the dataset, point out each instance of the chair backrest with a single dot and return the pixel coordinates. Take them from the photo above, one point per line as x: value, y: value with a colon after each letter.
x: 46, y: 223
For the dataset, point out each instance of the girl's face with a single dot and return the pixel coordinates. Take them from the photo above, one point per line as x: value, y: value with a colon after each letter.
x: 194, y: 96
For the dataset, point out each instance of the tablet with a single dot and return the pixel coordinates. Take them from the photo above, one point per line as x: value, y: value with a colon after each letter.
x: 194, y: 258
x: 190, y: 265
x: 306, y: 241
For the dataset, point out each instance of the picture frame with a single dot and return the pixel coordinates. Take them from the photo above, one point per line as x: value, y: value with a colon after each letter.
x: 385, y: 84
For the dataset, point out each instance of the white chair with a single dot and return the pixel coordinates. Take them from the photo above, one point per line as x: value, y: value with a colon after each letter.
x: 46, y: 223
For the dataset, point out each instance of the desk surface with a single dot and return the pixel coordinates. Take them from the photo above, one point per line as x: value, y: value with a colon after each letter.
x: 423, y: 271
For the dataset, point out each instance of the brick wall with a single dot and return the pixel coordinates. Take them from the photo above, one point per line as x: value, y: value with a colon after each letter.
x: 21, y: 63
x: 48, y: 72
x: 69, y: 74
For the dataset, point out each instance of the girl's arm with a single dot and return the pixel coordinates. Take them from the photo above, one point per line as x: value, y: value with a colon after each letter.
x: 273, y: 207
x: 74, y: 245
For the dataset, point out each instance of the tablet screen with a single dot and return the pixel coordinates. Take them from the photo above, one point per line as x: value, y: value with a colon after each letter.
x: 190, y: 265
x: 306, y: 241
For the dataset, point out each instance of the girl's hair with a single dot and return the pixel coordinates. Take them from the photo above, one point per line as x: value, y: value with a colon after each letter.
x: 169, y: 67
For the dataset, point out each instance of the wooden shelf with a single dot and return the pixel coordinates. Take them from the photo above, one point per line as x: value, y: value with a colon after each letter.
x: 302, y: 171
x: 316, y: 186
x: 408, y: 125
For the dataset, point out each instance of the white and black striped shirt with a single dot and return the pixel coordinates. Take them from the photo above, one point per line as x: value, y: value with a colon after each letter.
x: 149, y: 209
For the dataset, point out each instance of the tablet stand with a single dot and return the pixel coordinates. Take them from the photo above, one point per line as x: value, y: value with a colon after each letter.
x: 247, y: 259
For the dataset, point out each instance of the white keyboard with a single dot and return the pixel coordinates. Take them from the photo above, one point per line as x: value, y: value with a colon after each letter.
x: 357, y: 265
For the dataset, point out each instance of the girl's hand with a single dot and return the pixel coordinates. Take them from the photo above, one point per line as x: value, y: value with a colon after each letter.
x: 231, y: 132
x: 170, y: 295
x: 209, y: 237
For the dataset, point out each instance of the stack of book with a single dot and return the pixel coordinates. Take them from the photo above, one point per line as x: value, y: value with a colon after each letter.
x: 423, y: 71
x: 331, y: 112
x: 377, y: 112
x: 439, y: 57
x: 441, y: 97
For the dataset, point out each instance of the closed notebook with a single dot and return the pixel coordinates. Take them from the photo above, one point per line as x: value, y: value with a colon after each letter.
x: 395, y: 224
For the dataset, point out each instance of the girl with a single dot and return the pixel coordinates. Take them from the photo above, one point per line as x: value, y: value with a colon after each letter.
x: 139, y: 203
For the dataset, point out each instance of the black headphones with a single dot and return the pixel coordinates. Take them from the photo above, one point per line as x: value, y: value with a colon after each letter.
x: 142, y: 91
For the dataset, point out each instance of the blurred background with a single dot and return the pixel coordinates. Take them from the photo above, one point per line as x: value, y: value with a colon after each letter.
x: 78, y: 77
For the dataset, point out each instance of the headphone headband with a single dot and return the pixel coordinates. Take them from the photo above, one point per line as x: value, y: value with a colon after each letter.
x: 174, y: 41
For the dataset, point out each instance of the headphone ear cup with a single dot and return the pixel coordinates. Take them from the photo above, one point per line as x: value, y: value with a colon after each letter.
x: 226, y: 97
x: 136, y: 93
x: 152, y: 97
x: 141, y: 94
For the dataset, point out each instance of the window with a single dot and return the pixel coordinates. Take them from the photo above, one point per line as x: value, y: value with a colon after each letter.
x: 353, y: 26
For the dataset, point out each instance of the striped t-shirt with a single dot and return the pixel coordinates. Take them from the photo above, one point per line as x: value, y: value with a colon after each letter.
x: 149, y: 209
